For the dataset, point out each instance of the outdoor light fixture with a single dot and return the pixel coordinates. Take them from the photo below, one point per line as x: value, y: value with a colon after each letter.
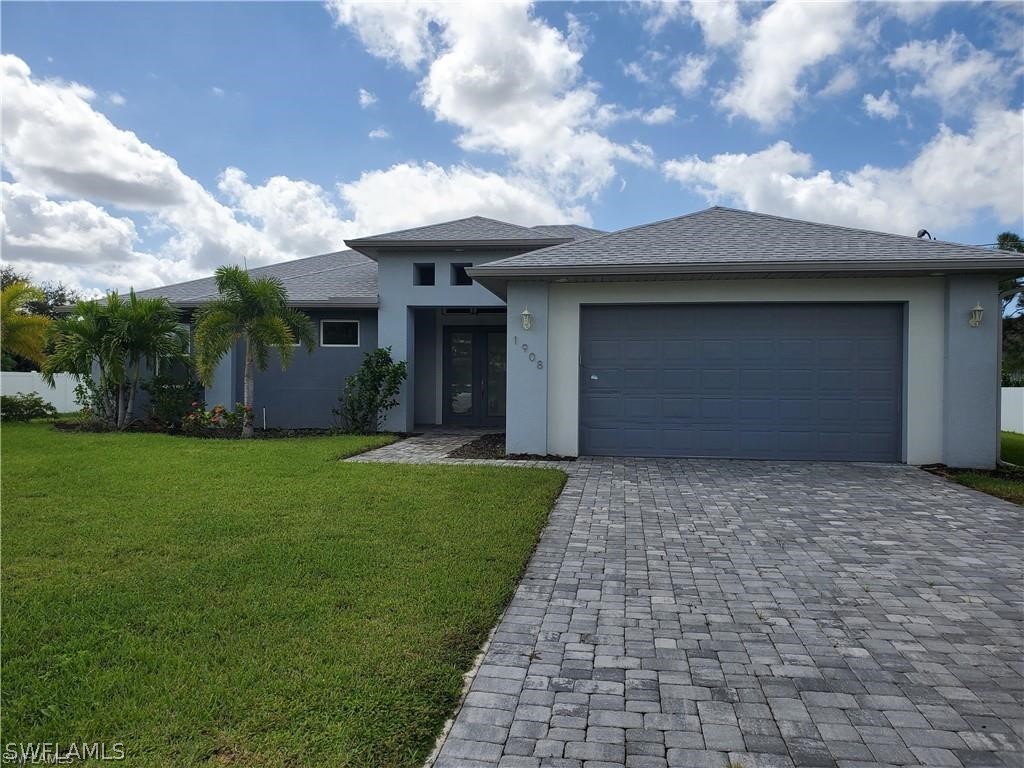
x: 975, y: 317
x: 527, y: 319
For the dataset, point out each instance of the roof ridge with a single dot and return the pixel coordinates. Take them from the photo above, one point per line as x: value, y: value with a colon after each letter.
x: 843, y: 227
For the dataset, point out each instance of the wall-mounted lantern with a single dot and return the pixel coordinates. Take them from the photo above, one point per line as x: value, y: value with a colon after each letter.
x: 974, y: 320
x: 527, y: 319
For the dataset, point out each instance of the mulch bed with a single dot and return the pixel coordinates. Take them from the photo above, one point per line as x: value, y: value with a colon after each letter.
x: 206, y: 434
x: 493, y: 447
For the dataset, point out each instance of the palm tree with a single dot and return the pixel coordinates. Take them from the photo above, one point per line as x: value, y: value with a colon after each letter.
x: 254, y: 310
x: 21, y: 333
x: 119, y: 337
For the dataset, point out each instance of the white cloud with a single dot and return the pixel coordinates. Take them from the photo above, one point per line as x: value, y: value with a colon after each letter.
x: 661, y: 13
x: 398, y: 31
x: 912, y: 10
x: 217, y: 91
x: 842, y: 82
x: 366, y: 99
x: 952, y: 72
x: 659, y: 115
x: 510, y: 82
x: 635, y: 70
x: 881, y: 106
x: 408, y: 195
x: 786, y: 40
x: 953, y: 179
x: 719, y: 20
x: 379, y: 133
x: 67, y: 160
x: 116, y: 99
x: 692, y: 73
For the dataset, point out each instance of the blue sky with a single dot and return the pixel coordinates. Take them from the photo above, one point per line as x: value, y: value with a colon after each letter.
x: 149, y: 142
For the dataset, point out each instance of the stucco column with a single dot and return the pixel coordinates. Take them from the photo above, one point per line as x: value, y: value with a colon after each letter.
x: 396, y: 329
x: 526, y: 420
x: 972, y: 386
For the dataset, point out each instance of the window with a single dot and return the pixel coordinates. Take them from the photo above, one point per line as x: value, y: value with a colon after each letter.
x: 459, y: 276
x: 339, y: 333
x: 422, y: 274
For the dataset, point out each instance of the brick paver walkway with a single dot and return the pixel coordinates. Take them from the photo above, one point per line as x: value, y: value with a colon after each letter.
x: 717, y: 613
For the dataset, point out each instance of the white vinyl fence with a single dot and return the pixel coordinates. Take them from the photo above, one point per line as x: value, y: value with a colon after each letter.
x: 1012, y: 411
x: 61, y: 396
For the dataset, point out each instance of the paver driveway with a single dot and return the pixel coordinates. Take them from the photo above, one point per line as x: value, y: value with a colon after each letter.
x: 708, y: 613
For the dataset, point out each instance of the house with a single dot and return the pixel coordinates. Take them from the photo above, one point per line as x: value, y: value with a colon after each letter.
x: 721, y: 333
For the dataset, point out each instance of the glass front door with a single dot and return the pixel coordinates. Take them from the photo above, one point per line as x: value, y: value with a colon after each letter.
x: 474, y: 376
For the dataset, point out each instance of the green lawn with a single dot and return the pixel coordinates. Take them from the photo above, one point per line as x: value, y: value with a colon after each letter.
x: 211, y: 602
x: 1006, y: 483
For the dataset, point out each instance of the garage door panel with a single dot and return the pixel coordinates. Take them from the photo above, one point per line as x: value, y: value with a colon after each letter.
x: 798, y: 381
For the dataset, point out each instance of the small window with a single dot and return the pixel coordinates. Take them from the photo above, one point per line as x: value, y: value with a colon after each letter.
x: 423, y: 274
x: 459, y: 276
x: 339, y: 333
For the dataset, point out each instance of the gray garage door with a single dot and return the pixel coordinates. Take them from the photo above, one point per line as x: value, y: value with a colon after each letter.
x: 786, y: 381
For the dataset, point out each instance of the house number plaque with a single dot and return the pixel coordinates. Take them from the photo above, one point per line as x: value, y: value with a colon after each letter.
x: 531, y: 356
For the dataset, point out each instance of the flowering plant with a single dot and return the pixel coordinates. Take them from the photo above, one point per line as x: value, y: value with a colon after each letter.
x: 198, y: 419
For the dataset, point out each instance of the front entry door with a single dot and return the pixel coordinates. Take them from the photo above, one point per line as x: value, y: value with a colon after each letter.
x: 474, y: 376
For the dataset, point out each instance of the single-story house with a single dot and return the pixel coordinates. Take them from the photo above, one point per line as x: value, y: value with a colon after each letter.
x: 721, y: 333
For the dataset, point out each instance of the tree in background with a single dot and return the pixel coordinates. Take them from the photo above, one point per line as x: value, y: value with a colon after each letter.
x: 1013, y: 323
x: 46, y: 301
x: 22, y: 334
x: 119, y: 338
x: 256, y: 312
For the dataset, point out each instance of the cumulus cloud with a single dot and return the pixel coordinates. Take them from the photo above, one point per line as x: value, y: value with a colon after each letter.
x: 843, y: 81
x: 692, y: 73
x: 510, y: 82
x: 786, y: 40
x: 952, y: 72
x: 117, y: 99
x: 636, y: 71
x: 379, y: 133
x: 659, y: 115
x: 881, y: 106
x: 410, y: 194
x: 719, y: 20
x: 366, y: 99
x: 67, y: 160
x: 953, y: 178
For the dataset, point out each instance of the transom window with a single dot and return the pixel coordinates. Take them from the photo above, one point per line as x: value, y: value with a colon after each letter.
x: 459, y: 276
x: 423, y: 274
x: 339, y: 333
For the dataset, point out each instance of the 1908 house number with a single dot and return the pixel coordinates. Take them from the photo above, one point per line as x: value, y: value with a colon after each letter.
x: 532, y: 355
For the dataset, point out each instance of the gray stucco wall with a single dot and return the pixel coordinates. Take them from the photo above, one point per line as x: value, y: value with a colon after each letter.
x: 304, y: 395
x: 527, y: 389
x: 971, y: 386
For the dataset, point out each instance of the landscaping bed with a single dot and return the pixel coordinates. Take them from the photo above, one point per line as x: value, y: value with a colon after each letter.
x: 493, y: 447
x: 253, y: 603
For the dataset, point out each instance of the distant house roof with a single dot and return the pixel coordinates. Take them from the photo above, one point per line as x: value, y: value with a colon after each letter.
x: 343, y: 278
x: 724, y: 240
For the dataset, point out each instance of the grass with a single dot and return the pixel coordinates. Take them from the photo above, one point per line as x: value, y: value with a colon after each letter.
x: 210, y: 602
x: 1006, y: 483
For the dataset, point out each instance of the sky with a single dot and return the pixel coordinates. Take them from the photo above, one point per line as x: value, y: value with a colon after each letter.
x: 149, y: 143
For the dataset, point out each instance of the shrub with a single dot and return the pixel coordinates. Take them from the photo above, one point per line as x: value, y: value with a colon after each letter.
x: 199, y: 420
x: 169, y: 400
x: 371, y: 392
x: 22, y: 407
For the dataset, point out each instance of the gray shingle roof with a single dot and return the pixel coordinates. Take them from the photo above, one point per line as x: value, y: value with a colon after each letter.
x: 728, y: 239
x: 474, y: 228
x: 572, y: 231
x: 340, y: 278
